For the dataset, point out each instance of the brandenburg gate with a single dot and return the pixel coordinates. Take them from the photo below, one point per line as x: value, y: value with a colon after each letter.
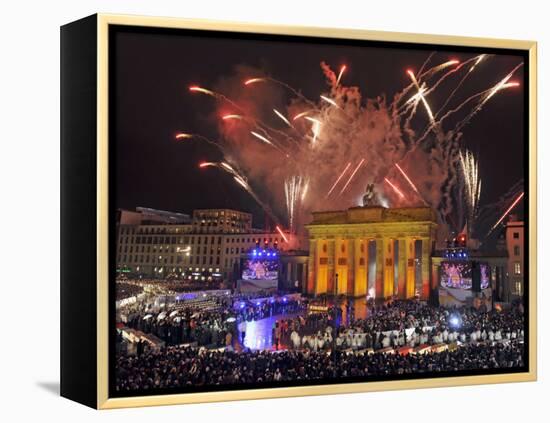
x: 371, y: 249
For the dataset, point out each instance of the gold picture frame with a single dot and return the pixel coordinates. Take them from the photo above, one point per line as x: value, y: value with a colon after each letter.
x: 101, y: 223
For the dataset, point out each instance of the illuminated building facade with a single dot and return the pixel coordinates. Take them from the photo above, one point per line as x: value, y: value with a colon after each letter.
x: 515, y: 242
x: 206, y: 247
x: 382, y: 252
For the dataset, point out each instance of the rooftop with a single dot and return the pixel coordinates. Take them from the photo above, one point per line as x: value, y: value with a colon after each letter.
x: 373, y: 215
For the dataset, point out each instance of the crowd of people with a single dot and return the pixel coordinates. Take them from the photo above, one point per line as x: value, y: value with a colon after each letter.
x: 400, y: 324
x: 181, y: 367
x: 203, y: 341
x: 209, y: 328
x: 210, y: 322
x: 126, y: 290
x: 167, y: 286
x: 257, y: 309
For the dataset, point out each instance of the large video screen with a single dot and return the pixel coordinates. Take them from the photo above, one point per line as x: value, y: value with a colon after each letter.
x: 260, y: 269
x: 485, y: 275
x: 456, y: 274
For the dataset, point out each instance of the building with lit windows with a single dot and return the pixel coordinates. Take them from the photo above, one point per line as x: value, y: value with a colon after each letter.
x: 515, y: 246
x: 221, y: 221
x: 207, y: 246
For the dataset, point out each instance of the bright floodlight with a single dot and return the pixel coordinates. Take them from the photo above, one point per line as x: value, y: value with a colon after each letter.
x: 454, y: 321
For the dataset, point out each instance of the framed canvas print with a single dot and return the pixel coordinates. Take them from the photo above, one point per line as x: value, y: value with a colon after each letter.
x: 256, y: 211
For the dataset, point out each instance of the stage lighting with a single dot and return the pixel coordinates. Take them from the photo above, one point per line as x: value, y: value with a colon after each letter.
x: 454, y: 321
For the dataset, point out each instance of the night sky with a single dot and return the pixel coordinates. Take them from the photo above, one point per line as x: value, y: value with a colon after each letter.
x: 152, y: 72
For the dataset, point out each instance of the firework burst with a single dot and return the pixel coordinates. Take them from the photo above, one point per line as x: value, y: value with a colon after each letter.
x: 309, y: 145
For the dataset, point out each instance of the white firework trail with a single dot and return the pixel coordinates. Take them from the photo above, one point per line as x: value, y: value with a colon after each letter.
x: 329, y: 101
x: 352, y: 175
x: 338, y: 179
x: 342, y: 70
x: 421, y: 95
x: 501, y: 85
x: 283, y: 118
x: 295, y: 192
x: 472, y: 185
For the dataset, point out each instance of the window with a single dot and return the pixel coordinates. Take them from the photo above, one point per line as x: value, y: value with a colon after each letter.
x: 518, y: 288
x: 516, y: 250
x: 517, y: 268
x: 516, y: 235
